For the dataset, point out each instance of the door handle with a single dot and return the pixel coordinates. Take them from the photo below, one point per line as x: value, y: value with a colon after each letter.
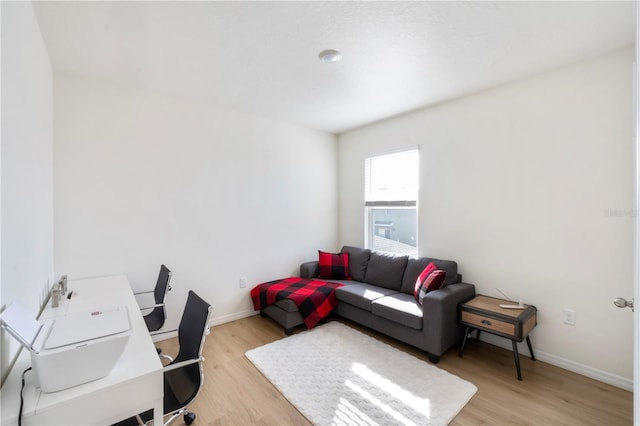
x: 621, y: 302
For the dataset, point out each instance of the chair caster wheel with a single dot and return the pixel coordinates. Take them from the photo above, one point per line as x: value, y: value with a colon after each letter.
x: 189, y: 418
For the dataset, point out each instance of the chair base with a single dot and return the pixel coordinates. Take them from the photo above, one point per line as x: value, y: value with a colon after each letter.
x: 146, y: 418
x: 189, y: 417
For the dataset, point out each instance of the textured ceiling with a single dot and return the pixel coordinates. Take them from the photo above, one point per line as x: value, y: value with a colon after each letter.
x: 262, y: 57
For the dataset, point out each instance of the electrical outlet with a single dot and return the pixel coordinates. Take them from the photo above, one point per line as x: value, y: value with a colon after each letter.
x: 243, y: 282
x: 569, y: 317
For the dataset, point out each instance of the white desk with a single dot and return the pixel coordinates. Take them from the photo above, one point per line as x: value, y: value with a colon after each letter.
x: 134, y: 385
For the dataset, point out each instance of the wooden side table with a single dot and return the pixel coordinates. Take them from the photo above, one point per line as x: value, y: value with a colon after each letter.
x: 484, y: 313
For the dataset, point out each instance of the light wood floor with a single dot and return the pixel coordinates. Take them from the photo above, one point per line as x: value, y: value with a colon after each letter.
x: 235, y: 393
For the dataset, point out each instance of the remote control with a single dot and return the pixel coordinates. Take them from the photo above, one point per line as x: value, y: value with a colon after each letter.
x: 512, y: 306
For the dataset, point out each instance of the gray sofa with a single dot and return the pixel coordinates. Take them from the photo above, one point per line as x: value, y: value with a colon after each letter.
x: 380, y: 296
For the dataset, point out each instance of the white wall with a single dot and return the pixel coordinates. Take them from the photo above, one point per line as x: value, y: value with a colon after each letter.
x: 636, y: 298
x: 529, y: 187
x: 27, y: 165
x: 143, y: 179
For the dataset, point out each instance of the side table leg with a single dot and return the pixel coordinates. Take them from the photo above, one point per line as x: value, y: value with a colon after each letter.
x: 464, y: 341
x: 530, y: 348
x: 516, y: 358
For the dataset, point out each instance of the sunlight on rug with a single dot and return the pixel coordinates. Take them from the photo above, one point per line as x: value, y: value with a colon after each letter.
x: 335, y: 375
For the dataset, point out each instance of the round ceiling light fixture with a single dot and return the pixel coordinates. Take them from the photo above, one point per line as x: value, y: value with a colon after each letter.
x: 330, y: 56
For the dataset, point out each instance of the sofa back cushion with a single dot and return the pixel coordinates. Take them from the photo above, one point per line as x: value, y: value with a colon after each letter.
x: 358, y: 261
x: 386, y: 270
x: 416, y: 265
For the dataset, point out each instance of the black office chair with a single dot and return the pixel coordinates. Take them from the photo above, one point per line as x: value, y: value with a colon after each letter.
x: 183, y: 376
x: 155, y: 319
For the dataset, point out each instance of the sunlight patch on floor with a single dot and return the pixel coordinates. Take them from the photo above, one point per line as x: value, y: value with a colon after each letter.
x: 348, y: 414
x: 420, y: 405
x: 372, y: 384
x: 381, y: 405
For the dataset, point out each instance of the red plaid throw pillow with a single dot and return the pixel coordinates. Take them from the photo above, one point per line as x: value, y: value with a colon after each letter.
x: 333, y: 266
x: 431, y: 278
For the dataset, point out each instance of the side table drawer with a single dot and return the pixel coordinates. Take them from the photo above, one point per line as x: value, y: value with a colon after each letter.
x: 488, y: 323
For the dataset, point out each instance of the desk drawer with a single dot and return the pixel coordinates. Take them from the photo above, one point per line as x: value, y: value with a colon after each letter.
x: 487, y: 323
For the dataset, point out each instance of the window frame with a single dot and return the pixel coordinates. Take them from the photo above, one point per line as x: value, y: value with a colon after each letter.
x: 372, y: 205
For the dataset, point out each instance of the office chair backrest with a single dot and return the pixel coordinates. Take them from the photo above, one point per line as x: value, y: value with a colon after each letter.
x: 162, y: 285
x: 155, y: 319
x: 193, y: 327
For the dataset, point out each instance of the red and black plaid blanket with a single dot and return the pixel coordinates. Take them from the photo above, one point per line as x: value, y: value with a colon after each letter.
x: 315, y: 299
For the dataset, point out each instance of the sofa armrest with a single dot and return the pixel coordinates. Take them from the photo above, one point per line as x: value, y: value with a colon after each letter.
x: 309, y: 269
x: 440, y: 316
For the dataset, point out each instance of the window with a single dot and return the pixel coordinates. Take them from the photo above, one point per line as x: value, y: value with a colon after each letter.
x: 391, y: 202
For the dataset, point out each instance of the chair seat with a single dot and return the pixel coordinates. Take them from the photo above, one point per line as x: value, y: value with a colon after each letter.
x: 155, y: 319
x: 180, y: 387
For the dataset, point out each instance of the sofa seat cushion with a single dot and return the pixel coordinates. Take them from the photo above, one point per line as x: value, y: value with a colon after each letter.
x: 361, y: 295
x: 287, y: 305
x: 401, y: 308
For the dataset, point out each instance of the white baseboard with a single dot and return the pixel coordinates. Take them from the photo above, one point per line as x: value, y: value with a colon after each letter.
x: 213, y: 322
x: 567, y: 364
x: 232, y: 317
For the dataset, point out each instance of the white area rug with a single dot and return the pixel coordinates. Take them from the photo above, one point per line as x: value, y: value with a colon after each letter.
x: 335, y: 375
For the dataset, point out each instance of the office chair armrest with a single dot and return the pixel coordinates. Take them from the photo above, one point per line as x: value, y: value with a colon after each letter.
x: 161, y: 331
x: 167, y: 357
x: 150, y: 291
x: 156, y: 305
x: 183, y: 363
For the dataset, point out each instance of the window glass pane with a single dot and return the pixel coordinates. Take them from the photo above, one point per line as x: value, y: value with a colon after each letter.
x: 392, y: 177
x: 391, y: 194
x: 393, y: 230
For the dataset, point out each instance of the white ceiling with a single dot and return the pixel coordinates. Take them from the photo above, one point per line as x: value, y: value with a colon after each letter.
x: 262, y: 57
